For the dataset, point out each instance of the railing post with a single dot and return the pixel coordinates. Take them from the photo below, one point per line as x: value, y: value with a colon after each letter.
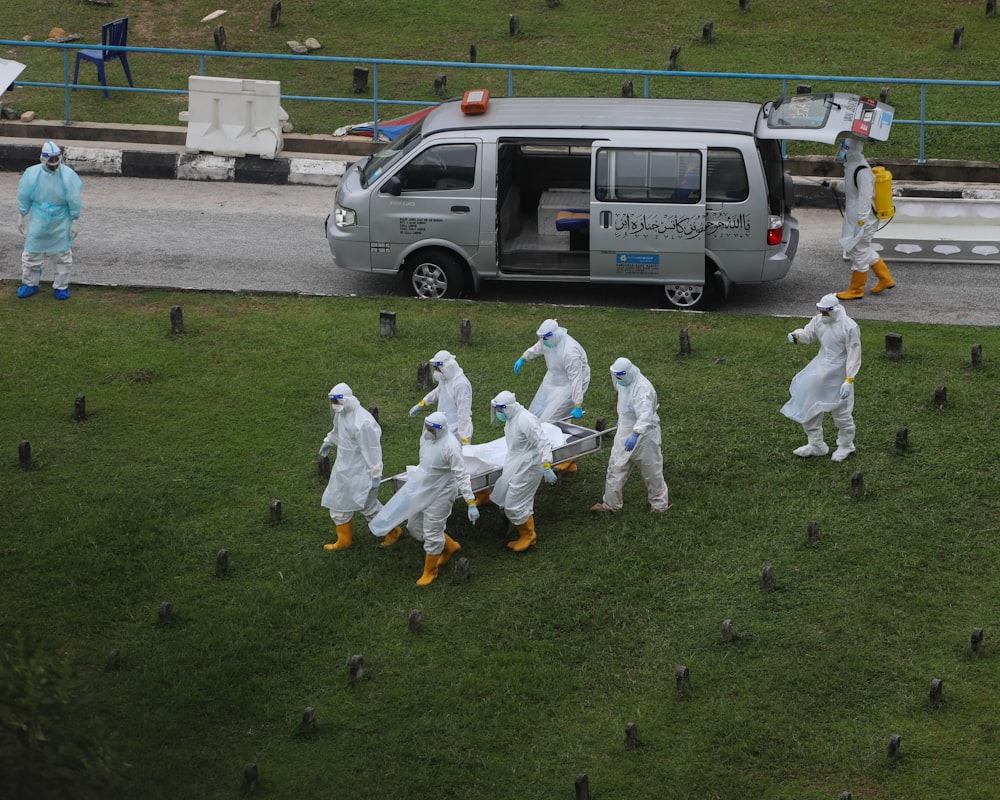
x: 66, y: 82
x: 923, y: 117
x: 510, y: 83
x: 375, y: 102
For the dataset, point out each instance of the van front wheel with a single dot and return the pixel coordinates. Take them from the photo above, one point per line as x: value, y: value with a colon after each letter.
x: 434, y: 275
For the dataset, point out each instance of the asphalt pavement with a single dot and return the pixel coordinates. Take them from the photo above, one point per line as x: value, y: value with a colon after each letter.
x: 217, y: 233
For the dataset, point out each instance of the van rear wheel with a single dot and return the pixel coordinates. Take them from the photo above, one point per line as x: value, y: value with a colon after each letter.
x: 434, y: 275
x: 691, y: 296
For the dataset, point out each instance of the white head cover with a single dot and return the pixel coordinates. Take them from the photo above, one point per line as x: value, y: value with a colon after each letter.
x: 438, y: 421
x: 443, y: 364
x: 342, y: 398
x: 623, y: 372
x: 549, y: 332
x: 51, y: 150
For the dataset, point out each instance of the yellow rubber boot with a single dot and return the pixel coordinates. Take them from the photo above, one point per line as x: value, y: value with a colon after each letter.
x: 526, y: 536
x: 566, y: 468
x: 431, y: 564
x: 857, y: 287
x: 885, y: 280
x: 483, y: 497
x: 391, y: 537
x: 450, y: 547
x: 345, y: 537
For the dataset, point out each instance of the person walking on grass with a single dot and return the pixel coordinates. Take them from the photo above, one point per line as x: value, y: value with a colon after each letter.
x: 826, y: 384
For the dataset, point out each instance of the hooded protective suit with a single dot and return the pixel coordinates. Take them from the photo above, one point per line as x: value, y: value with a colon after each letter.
x: 50, y: 199
x: 358, y: 466
x: 425, y: 500
x: 528, y: 448
x: 567, y: 373
x: 826, y: 383
x: 860, y: 220
x: 453, y: 395
x: 637, y: 440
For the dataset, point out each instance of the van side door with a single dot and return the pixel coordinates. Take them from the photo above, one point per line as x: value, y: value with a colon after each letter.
x: 647, y: 213
x: 434, y: 198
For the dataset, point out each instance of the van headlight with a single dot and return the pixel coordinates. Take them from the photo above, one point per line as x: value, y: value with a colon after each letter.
x: 344, y: 217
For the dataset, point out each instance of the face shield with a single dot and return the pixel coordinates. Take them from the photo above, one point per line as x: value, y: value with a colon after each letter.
x: 432, y: 429
x: 622, y: 372
x: 547, y: 331
x: 336, y: 403
x: 826, y: 307
x: 51, y: 156
x: 843, y: 151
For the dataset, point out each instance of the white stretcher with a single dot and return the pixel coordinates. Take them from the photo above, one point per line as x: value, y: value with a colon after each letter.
x: 484, y: 461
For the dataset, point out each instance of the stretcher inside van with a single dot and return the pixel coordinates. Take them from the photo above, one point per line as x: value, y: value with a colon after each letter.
x: 689, y: 195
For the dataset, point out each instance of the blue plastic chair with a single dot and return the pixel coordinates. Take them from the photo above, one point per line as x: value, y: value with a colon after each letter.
x: 113, y: 34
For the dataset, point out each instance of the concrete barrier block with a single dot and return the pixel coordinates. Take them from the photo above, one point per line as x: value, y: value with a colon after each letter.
x: 233, y: 116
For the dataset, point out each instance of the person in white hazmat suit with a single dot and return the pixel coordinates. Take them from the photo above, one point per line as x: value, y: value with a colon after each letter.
x: 357, y: 469
x: 827, y: 382
x: 528, y: 460
x: 567, y: 373
x: 453, y: 395
x: 860, y: 222
x: 48, y: 205
x: 637, y: 440
x: 425, y: 500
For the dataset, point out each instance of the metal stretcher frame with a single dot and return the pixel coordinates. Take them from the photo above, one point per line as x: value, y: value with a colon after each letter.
x: 581, y: 442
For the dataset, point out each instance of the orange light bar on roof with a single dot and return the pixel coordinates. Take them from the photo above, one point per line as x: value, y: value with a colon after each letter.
x: 475, y: 101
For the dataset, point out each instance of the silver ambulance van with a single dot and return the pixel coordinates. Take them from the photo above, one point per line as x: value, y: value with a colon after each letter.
x: 690, y: 195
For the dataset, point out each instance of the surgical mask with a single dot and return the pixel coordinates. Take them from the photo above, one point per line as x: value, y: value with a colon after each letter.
x: 52, y: 164
x: 621, y: 378
x: 501, y: 416
x: 430, y: 436
x: 336, y: 408
x: 436, y: 370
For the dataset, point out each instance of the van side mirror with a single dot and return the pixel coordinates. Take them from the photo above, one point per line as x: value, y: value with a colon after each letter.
x: 393, y: 186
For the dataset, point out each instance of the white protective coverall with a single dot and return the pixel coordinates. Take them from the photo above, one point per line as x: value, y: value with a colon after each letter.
x: 51, y: 199
x: 637, y: 405
x: 453, y: 395
x: 425, y: 500
x: 827, y: 382
x: 860, y: 221
x: 357, y: 437
x: 528, y: 448
x: 567, y: 373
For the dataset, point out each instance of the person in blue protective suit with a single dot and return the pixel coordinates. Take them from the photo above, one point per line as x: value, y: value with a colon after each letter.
x: 453, y: 395
x: 827, y: 382
x: 637, y: 442
x: 48, y: 205
x: 860, y: 222
x: 567, y: 373
x: 528, y: 460
x: 357, y: 469
x: 425, y: 499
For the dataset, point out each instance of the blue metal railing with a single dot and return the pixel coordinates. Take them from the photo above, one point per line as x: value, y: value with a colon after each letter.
x: 511, y: 69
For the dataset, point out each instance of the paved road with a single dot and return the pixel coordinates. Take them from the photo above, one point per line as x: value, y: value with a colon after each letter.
x: 245, y: 237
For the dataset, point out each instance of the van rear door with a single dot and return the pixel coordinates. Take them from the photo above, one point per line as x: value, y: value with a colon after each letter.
x: 647, y: 213
x: 825, y: 118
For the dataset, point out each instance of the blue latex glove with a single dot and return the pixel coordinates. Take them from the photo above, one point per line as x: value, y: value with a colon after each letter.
x: 793, y: 338
x: 577, y: 412
x: 473, y: 513
x: 376, y: 481
x: 630, y: 442
x: 518, y: 366
x: 325, y: 450
x: 845, y: 389
x: 416, y: 409
x: 549, y: 475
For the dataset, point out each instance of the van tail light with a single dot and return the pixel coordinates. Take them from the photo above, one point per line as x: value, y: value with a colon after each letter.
x: 775, y: 229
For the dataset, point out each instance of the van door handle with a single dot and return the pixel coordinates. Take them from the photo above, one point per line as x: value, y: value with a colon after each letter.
x: 605, y: 219
x: 460, y: 209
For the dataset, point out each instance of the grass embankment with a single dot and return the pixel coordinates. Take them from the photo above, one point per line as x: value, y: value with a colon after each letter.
x: 527, y: 675
x: 849, y: 38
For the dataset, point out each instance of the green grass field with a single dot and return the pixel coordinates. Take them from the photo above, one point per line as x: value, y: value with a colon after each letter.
x: 851, y: 38
x: 527, y: 675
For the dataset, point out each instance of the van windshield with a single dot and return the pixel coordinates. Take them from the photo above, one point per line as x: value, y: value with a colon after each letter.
x: 377, y: 164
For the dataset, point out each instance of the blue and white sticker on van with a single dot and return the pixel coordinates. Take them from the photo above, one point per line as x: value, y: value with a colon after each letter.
x: 637, y: 263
